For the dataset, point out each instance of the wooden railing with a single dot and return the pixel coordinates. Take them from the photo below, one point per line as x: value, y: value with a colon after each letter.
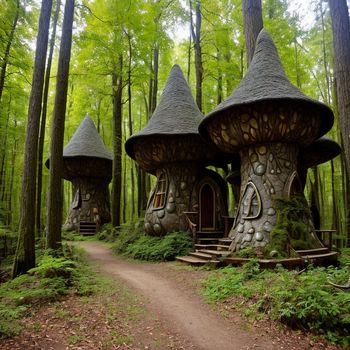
x: 192, y: 220
x: 322, y: 235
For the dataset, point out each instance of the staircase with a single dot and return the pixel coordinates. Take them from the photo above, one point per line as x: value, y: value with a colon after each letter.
x: 209, y: 248
x: 87, y: 228
x: 320, y: 256
x: 317, y: 257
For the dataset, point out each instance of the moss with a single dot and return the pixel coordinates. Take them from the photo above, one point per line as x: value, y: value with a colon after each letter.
x: 291, y: 229
x: 248, y: 252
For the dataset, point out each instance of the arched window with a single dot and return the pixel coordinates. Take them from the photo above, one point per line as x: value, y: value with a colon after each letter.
x: 251, y: 202
x: 160, y: 193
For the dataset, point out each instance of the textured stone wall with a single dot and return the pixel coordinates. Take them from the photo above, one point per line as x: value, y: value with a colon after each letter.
x: 267, y: 171
x: 233, y: 130
x: 180, y: 180
x: 151, y: 153
x: 89, y: 193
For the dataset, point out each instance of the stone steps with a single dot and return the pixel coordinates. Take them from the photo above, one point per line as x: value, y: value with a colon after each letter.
x: 191, y: 260
x: 312, y: 251
x: 208, y: 249
x: 87, y: 228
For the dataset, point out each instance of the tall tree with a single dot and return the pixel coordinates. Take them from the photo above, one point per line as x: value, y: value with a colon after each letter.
x: 117, y: 82
x: 25, y: 252
x: 341, y: 46
x: 8, y: 48
x: 55, y: 200
x: 252, y: 25
x: 196, y: 35
x: 43, y: 118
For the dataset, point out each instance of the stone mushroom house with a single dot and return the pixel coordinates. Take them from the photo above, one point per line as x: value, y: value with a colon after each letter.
x: 266, y: 119
x: 170, y: 147
x: 88, y: 165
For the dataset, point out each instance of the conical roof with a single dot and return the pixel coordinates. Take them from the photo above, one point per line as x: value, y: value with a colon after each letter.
x: 266, y: 80
x: 320, y: 151
x: 176, y: 114
x: 86, y: 142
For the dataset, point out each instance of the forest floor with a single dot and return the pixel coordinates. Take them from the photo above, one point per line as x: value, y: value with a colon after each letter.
x: 155, y: 306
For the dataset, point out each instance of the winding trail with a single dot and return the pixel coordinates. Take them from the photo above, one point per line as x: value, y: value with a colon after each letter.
x: 179, y: 308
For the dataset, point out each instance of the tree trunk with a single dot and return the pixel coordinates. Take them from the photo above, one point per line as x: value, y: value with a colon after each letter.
x: 7, y: 50
x: 341, y: 46
x: 43, y: 119
x: 13, y: 162
x: 131, y: 132
x: 3, y: 152
x: 124, y: 185
x: 54, y: 218
x: 155, y: 76
x: 196, y: 35
x: 117, y: 142
x: 252, y: 24
x: 189, y: 46
x: 25, y: 252
x: 219, y: 96
x: 328, y: 91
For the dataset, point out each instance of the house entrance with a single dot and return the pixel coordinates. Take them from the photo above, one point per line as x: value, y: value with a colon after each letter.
x: 207, y: 208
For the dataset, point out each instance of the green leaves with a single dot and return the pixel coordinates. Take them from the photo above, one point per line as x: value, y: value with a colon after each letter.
x: 304, y: 300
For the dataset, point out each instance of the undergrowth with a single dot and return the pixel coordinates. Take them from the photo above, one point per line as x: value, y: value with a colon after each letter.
x: 130, y: 240
x: 56, y: 274
x: 291, y: 228
x: 300, y: 300
x: 160, y: 248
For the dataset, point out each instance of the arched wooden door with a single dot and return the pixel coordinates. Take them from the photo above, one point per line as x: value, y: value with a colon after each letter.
x: 207, y: 207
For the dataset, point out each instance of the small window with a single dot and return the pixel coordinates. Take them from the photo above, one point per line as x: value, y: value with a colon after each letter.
x: 160, y: 193
x: 251, y: 203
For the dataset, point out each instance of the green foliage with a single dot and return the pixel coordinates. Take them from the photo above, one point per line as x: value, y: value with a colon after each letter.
x: 126, y: 234
x: 74, y: 236
x: 291, y: 229
x: 248, y: 252
x: 130, y: 240
x: 108, y: 233
x: 305, y: 301
x: 160, y: 248
x: 344, y: 258
x: 53, y: 277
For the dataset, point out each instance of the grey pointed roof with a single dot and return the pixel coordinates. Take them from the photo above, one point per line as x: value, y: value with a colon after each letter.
x: 320, y: 151
x: 266, y: 80
x: 176, y: 114
x: 86, y: 142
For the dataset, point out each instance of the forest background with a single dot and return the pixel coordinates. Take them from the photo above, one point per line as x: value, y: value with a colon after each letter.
x: 124, y: 50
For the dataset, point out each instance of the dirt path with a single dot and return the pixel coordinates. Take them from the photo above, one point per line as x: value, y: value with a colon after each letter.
x: 178, y: 307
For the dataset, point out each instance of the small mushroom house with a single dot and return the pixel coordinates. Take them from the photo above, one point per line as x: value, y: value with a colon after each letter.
x: 170, y: 148
x: 268, y: 120
x: 88, y: 165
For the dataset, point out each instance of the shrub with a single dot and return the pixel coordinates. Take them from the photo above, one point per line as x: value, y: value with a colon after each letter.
x: 304, y: 300
x: 57, y: 273
x: 126, y: 235
x: 160, y: 248
x: 291, y: 229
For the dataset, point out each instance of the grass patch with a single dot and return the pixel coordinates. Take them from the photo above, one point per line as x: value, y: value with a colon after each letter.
x: 74, y: 236
x: 304, y: 301
x: 160, y: 248
x: 54, y: 277
x: 130, y: 240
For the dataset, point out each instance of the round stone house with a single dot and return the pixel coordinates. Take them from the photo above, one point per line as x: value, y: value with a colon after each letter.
x: 267, y: 120
x: 170, y: 148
